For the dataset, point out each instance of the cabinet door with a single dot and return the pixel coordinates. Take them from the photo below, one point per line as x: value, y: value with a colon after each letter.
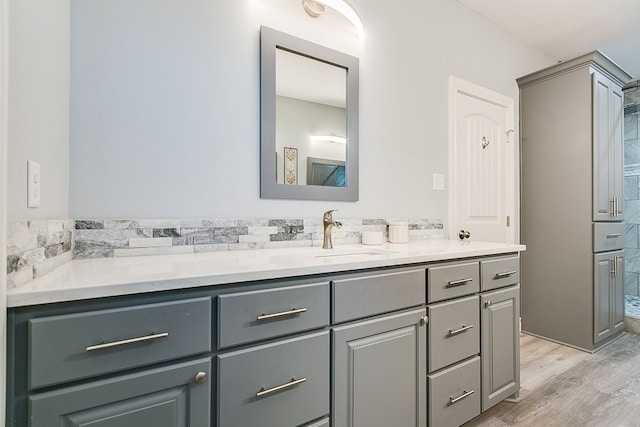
x: 277, y: 384
x: 608, y: 196
x: 174, y: 396
x: 379, y: 372
x: 500, y: 345
x: 608, y: 304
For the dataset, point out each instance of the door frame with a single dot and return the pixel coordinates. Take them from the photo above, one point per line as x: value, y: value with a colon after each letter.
x: 4, y: 106
x: 460, y: 86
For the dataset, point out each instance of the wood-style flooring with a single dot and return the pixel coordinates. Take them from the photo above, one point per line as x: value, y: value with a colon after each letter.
x: 564, y: 387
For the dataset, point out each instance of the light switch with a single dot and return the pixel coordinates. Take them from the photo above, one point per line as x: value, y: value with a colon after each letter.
x: 33, y: 184
x: 438, y: 182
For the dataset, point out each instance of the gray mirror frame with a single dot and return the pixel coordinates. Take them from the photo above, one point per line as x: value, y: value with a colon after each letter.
x: 270, y: 40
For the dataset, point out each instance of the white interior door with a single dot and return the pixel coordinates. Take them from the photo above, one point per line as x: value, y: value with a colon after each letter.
x: 482, y: 164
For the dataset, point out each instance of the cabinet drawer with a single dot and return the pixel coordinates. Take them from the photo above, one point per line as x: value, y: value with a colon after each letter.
x: 362, y: 296
x: 454, y: 331
x: 69, y: 347
x: 608, y: 237
x: 500, y: 272
x: 256, y: 315
x: 285, y: 383
x: 452, y: 280
x: 454, y: 394
x: 160, y: 397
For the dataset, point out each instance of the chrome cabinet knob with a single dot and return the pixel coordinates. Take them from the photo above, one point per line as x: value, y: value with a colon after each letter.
x: 464, y: 234
x: 201, y: 378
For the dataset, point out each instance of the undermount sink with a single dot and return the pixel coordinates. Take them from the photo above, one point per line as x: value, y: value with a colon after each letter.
x: 330, y: 253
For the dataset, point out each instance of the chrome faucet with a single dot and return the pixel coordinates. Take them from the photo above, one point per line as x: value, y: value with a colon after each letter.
x: 329, y: 223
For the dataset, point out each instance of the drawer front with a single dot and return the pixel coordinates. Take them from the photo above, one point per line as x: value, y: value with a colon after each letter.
x: 159, y: 397
x: 285, y: 383
x: 454, y: 331
x: 454, y: 394
x: 608, y: 236
x: 500, y: 272
x: 75, y: 346
x: 452, y: 280
x: 362, y: 296
x: 257, y: 315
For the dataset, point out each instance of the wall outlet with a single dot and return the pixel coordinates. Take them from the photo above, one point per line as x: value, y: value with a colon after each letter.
x: 438, y: 182
x: 33, y: 184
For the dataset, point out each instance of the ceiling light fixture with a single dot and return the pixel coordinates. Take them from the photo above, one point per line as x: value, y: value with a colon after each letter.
x: 315, y: 8
x: 329, y: 138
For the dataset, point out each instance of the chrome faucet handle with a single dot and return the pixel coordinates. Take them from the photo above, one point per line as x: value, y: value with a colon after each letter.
x: 328, y: 215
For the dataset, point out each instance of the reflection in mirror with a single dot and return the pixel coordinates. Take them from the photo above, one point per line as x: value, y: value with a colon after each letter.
x: 311, y: 100
x: 309, y: 119
x: 325, y: 172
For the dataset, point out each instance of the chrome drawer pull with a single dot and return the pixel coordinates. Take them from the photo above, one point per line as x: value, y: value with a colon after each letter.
x: 125, y: 342
x: 460, y: 282
x: 281, y: 314
x: 459, y: 331
x: 292, y: 383
x: 614, y: 236
x: 505, y: 274
x: 464, y: 395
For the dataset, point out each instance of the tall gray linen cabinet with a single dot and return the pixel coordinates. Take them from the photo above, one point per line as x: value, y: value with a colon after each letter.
x: 572, y: 201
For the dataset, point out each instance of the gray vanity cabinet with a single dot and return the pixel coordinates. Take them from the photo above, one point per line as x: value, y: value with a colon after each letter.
x: 402, y: 346
x: 379, y: 371
x: 474, y: 348
x: 500, y: 348
x: 608, y: 294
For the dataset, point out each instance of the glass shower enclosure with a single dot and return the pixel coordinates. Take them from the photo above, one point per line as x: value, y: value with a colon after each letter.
x: 632, y: 197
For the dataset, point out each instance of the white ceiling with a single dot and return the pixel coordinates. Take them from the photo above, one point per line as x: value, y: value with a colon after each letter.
x: 565, y: 29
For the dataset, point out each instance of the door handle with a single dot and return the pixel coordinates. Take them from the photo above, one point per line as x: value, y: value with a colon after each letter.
x: 464, y: 235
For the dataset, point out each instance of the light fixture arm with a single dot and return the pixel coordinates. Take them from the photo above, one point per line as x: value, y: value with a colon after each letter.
x: 316, y: 7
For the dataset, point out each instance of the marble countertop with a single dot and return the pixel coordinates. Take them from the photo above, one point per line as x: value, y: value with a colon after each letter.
x: 104, y: 277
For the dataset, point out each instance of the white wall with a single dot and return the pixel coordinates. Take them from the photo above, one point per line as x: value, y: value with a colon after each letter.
x: 39, y: 105
x: 4, y: 68
x: 165, y: 103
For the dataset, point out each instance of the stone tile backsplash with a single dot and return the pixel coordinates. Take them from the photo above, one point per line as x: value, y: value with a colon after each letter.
x: 36, y: 247
x: 116, y: 238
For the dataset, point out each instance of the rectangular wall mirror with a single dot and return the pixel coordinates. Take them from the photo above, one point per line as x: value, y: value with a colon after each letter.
x: 308, y: 120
